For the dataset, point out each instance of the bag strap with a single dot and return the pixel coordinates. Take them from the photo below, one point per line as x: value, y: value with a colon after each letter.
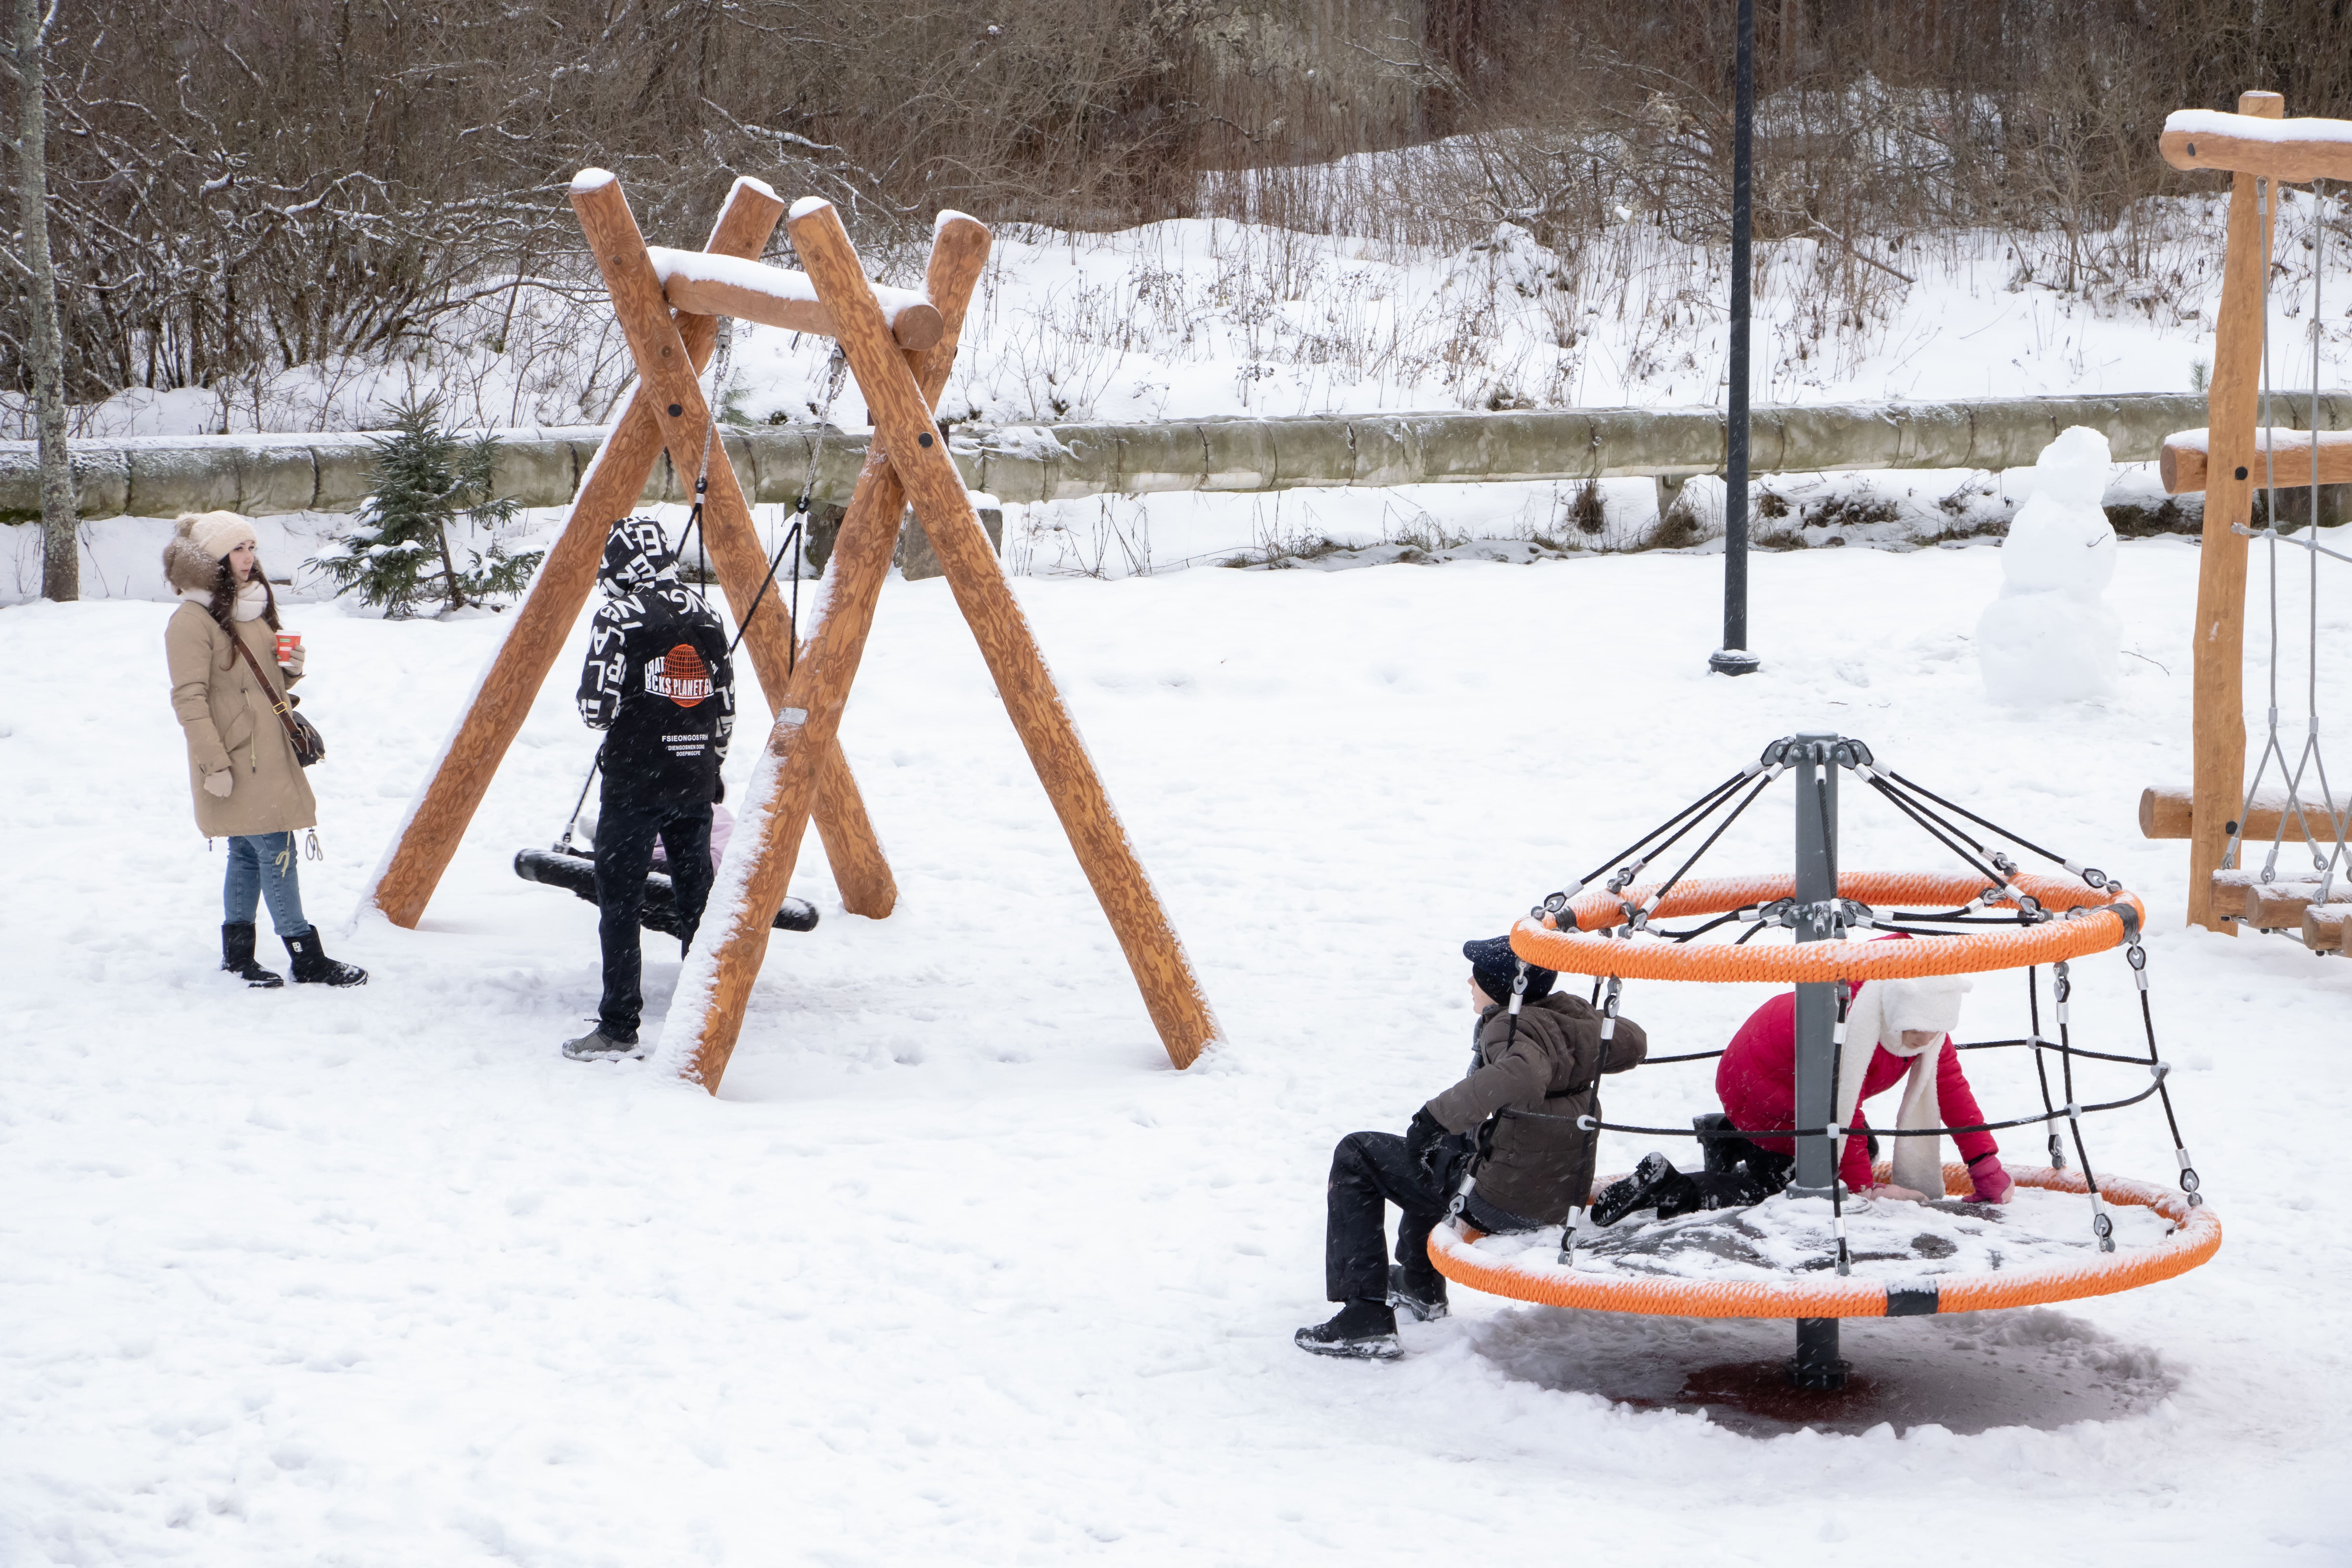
x: 282, y: 706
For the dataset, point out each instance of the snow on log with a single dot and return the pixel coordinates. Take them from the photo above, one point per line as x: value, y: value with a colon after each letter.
x: 2294, y: 150
x: 592, y: 179
x: 2166, y: 811
x: 705, y: 285
x: 2182, y: 463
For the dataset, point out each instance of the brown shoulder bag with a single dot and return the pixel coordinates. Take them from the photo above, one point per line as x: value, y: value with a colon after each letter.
x: 309, y: 746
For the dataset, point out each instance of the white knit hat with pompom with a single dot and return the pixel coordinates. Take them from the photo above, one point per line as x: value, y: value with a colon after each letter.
x: 217, y: 532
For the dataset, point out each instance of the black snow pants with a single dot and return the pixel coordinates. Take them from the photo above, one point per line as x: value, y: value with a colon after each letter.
x: 1370, y: 1170
x: 625, y: 853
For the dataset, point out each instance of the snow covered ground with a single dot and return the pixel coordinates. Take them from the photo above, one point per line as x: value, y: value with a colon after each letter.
x: 956, y: 1269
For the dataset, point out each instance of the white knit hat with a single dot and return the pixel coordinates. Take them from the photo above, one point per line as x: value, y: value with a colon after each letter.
x: 218, y: 533
x: 1930, y: 1002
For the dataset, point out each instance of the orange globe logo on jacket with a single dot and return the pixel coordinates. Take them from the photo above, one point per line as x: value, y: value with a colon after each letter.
x: 681, y: 677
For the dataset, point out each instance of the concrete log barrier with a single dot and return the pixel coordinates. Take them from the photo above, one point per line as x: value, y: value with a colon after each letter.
x: 259, y: 475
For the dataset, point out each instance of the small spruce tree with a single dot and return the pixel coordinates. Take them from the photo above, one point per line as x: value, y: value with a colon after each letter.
x: 427, y: 479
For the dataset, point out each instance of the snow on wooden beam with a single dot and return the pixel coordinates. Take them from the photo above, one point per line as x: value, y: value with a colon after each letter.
x: 2282, y: 460
x: 707, y: 285
x: 2295, y: 152
x: 2166, y: 811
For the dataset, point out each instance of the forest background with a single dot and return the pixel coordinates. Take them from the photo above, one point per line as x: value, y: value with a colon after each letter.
x: 240, y: 186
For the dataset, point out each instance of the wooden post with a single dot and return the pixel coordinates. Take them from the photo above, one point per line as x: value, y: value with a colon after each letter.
x: 716, y: 985
x: 2219, y: 744
x: 902, y: 424
x: 438, y: 818
x: 683, y: 418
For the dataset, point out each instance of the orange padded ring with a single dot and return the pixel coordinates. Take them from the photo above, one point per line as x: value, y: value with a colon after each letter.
x: 1584, y: 952
x: 2196, y: 1236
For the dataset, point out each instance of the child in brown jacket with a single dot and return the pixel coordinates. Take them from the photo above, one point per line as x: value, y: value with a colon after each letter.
x: 1504, y: 1141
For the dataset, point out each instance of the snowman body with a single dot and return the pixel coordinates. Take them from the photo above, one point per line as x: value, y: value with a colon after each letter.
x: 2049, y: 636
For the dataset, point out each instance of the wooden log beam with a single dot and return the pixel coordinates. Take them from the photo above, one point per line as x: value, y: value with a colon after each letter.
x: 716, y: 986
x: 2218, y: 746
x: 437, y: 818
x: 2168, y: 812
x: 902, y: 423
x: 2282, y: 460
x: 2276, y: 906
x: 776, y: 297
x: 2255, y: 142
x: 683, y: 417
x: 2229, y: 893
x: 2327, y: 928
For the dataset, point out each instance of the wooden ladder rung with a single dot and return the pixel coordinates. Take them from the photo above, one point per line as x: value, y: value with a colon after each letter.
x: 2327, y: 926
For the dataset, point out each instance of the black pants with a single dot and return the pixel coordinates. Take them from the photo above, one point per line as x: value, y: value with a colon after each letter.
x: 1370, y: 1170
x: 625, y: 853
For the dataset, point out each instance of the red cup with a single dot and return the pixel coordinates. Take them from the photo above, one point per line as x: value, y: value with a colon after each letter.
x: 287, y: 643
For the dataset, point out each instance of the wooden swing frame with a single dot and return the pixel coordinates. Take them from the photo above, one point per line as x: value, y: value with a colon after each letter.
x: 900, y: 345
x: 2229, y: 460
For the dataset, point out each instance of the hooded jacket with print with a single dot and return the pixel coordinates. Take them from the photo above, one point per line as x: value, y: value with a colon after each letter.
x: 658, y: 679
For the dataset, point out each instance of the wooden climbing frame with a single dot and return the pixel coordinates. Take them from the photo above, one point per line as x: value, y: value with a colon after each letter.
x: 2229, y: 460
x: 900, y: 345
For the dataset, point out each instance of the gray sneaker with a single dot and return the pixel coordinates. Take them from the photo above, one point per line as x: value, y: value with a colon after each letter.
x: 598, y: 1047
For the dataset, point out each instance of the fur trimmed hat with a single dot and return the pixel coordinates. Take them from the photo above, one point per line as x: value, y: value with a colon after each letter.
x: 201, y: 542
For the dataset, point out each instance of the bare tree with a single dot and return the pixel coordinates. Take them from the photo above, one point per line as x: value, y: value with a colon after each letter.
x: 61, y: 554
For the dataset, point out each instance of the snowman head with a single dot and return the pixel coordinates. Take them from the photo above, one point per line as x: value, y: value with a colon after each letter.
x: 2073, y: 470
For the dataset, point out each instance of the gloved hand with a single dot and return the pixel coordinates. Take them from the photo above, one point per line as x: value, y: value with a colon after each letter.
x: 1421, y: 1138
x: 292, y: 664
x: 220, y: 783
x: 1994, y: 1184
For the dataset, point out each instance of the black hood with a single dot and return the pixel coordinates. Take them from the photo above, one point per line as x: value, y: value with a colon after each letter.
x: 636, y: 557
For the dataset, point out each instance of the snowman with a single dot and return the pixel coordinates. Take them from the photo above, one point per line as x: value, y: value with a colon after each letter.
x: 2049, y: 636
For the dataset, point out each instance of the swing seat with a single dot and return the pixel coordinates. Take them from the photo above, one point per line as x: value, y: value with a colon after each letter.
x: 577, y: 871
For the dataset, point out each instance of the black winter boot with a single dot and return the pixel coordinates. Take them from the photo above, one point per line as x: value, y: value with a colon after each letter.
x: 313, y: 967
x: 1720, y: 1144
x: 1362, y: 1331
x: 237, y: 957
x: 1655, y: 1184
x: 1425, y: 1299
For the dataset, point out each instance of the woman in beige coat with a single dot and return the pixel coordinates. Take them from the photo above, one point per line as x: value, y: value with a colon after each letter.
x: 248, y: 788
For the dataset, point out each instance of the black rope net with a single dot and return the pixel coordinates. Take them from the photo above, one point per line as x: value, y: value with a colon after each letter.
x: 1979, y: 843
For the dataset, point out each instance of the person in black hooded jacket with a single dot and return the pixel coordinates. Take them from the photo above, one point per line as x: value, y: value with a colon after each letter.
x: 659, y: 683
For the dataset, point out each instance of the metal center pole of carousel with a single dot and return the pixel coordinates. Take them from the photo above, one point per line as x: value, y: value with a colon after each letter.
x: 1816, y: 1365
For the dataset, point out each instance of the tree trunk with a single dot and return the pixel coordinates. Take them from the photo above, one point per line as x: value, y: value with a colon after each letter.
x: 449, y: 566
x: 60, y: 553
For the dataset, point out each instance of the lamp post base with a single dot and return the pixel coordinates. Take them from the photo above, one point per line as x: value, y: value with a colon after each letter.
x: 1733, y: 661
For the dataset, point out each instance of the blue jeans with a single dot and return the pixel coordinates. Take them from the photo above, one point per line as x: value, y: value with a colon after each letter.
x: 264, y: 865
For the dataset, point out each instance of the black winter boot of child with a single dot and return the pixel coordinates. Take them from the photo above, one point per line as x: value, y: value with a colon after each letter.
x: 313, y: 967
x: 1424, y: 1299
x: 1720, y: 1144
x: 237, y: 957
x: 1655, y: 1184
x: 1362, y: 1331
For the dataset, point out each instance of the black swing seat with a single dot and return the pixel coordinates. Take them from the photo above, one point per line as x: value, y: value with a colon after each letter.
x: 577, y: 871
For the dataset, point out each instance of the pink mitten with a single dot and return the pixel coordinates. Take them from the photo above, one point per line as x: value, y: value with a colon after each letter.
x: 1993, y: 1184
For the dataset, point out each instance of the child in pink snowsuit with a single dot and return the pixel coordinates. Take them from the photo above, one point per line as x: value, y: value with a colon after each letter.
x: 1897, y: 1031
x: 1757, y: 1082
